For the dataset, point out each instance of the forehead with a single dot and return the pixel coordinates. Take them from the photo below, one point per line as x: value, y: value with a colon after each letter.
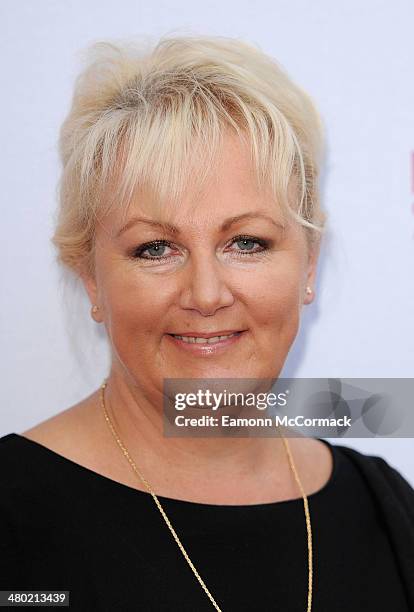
x: 230, y: 189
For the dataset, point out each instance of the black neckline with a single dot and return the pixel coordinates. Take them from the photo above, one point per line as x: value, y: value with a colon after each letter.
x: 81, y: 469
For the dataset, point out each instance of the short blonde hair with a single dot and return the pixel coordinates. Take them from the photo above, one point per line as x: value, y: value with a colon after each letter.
x: 151, y: 111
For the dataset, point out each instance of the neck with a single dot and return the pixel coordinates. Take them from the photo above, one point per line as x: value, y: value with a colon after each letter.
x: 230, y: 469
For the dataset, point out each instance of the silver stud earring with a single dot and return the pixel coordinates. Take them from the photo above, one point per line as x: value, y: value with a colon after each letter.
x: 308, y: 290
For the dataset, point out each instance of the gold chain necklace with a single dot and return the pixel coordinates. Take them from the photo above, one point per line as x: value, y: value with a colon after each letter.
x: 170, y: 527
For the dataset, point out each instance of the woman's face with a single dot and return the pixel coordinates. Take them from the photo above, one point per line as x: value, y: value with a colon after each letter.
x: 226, y: 268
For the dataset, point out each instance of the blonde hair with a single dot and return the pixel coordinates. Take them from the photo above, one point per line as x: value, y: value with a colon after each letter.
x: 146, y: 113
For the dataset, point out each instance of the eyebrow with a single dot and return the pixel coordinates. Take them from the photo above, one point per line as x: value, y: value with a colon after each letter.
x: 227, y: 223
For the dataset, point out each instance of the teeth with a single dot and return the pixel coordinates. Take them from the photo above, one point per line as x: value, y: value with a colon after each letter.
x: 199, y: 340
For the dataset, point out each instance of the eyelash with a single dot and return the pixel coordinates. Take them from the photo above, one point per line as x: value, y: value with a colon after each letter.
x: 137, y: 253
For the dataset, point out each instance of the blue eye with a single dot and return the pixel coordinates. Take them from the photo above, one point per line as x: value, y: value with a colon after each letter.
x: 155, y: 249
x: 247, y: 244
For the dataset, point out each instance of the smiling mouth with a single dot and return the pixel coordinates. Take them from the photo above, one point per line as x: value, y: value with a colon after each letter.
x: 203, y: 340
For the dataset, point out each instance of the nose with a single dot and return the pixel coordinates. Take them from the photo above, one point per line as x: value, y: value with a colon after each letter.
x: 205, y: 288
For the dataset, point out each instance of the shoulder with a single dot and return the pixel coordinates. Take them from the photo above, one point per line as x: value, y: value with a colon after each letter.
x: 375, y: 464
x: 65, y: 433
x: 59, y: 431
x: 12, y: 457
x: 386, y: 483
x: 394, y: 500
x: 77, y: 434
x: 73, y: 433
x: 20, y: 482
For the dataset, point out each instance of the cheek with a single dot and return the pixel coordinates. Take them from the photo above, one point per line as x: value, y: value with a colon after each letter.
x: 135, y: 304
x: 274, y: 297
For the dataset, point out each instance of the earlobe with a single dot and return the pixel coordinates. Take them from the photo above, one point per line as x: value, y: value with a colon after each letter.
x: 309, y: 295
x: 91, y: 289
x: 94, y: 310
x: 311, y: 273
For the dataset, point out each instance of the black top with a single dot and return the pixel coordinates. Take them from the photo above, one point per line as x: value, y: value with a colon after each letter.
x: 66, y: 527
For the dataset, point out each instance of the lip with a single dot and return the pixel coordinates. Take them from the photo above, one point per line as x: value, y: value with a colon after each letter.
x: 204, y: 349
x: 223, y: 332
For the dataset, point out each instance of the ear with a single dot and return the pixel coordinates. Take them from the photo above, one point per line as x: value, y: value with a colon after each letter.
x: 313, y: 256
x: 90, y: 285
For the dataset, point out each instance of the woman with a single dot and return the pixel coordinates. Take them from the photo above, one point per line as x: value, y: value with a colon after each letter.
x: 190, y: 211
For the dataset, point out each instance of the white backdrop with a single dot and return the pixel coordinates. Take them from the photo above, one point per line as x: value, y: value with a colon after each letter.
x: 355, y: 59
